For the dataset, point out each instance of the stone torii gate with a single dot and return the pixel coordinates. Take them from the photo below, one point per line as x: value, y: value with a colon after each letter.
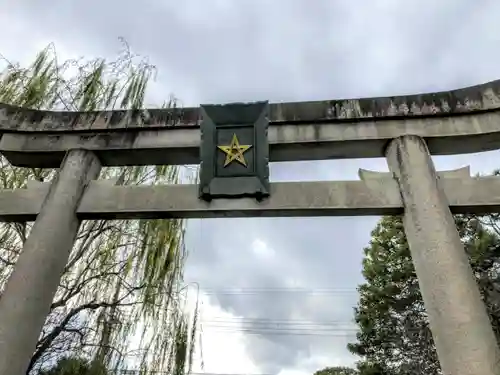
x: 406, y: 130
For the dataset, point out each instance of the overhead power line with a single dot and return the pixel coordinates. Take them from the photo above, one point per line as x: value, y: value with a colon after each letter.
x: 273, y: 320
x: 278, y: 325
x: 137, y: 372
x: 269, y: 326
x: 253, y: 291
x: 280, y: 328
x: 288, y: 333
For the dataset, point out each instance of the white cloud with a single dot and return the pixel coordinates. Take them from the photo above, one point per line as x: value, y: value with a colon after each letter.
x: 262, y: 250
x: 222, y: 352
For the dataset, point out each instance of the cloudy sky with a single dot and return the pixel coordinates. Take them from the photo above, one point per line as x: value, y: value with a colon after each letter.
x: 277, y: 293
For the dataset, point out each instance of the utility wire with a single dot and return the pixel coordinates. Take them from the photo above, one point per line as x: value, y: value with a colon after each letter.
x: 253, y: 291
x: 244, y: 320
x: 136, y: 372
x: 288, y: 333
x: 280, y: 327
x: 268, y: 326
x: 286, y: 330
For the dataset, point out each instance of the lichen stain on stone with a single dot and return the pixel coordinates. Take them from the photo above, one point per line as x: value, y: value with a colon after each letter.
x: 344, y: 109
x: 476, y: 98
x: 491, y: 99
x: 480, y: 97
x: 12, y: 117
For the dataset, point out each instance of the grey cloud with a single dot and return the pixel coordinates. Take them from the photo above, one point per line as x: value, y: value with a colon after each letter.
x: 219, y: 51
x: 323, y: 254
x: 315, y: 253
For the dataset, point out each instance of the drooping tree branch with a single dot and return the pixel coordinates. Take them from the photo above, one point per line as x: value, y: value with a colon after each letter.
x: 148, y: 254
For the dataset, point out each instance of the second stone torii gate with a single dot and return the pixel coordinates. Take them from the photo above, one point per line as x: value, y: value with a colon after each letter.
x: 464, y: 339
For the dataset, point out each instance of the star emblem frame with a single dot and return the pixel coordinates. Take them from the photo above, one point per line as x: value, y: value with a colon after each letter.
x: 234, y: 151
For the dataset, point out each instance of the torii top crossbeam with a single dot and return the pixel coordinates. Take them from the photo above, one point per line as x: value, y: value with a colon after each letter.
x: 452, y: 122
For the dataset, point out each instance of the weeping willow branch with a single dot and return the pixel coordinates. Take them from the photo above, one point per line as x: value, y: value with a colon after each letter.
x: 140, y: 263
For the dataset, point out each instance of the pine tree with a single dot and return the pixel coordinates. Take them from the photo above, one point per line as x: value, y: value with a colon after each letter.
x: 394, y: 337
x: 338, y: 370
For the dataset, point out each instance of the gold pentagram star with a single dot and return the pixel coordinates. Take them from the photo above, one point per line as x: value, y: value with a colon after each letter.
x: 234, y: 151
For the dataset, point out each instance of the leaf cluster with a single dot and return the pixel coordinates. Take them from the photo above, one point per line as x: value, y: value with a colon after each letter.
x: 75, y: 366
x: 394, y: 335
x: 338, y: 370
x: 121, y: 297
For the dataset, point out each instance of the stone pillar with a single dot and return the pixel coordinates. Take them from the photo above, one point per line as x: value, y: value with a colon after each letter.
x: 462, y: 332
x: 26, y: 300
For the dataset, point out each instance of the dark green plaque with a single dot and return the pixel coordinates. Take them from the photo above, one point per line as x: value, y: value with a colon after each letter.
x: 234, y: 151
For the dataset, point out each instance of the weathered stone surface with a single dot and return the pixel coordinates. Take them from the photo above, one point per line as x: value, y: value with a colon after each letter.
x: 445, y: 135
x: 471, y: 99
x: 378, y: 194
x: 454, y: 122
x: 30, y: 289
x: 22, y: 204
x: 464, y: 338
x: 367, y: 175
x: 325, y: 198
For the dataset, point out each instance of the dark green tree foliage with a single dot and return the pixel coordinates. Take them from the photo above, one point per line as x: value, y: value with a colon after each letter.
x: 75, y: 366
x: 336, y: 371
x: 395, y: 337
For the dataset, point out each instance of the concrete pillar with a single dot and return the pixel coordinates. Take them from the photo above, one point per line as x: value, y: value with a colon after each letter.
x: 26, y: 301
x: 462, y: 332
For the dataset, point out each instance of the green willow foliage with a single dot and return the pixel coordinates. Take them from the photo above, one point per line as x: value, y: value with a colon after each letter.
x: 120, y: 301
x: 75, y: 366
